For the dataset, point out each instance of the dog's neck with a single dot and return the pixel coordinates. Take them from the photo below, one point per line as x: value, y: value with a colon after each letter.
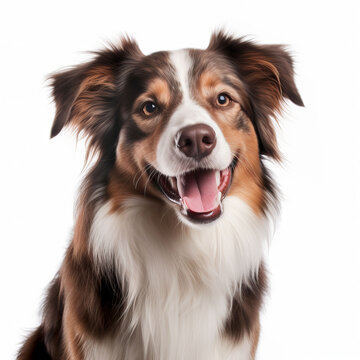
x: 150, y: 230
x: 190, y: 271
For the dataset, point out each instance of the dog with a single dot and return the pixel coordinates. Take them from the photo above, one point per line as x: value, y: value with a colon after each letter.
x: 166, y: 259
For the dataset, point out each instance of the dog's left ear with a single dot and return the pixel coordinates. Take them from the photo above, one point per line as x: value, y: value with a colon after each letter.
x: 86, y: 98
x: 268, y: 75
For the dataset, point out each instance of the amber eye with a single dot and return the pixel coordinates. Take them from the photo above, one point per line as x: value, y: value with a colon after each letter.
x: 149, y: 108
x: 223, y: 100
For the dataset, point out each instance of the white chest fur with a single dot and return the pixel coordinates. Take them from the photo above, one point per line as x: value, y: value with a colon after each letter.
x: 179, y: 279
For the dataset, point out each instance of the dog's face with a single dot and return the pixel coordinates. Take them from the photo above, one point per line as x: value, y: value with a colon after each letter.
x: 187, y: 127
x: 190, y: 129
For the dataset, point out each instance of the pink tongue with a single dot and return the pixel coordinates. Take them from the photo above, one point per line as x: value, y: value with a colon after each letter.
x: 199, y: 190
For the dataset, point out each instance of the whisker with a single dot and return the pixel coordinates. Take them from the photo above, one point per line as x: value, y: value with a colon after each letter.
x: 249, y: 167
x: 165, y: 213
x: 153, y: 172
x: 143, y: 171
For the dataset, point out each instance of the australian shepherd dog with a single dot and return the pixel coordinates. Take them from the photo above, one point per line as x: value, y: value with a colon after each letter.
x: 166, y: 261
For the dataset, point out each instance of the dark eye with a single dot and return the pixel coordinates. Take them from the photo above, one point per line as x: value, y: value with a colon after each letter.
x: 223, y: 100
x: 149, y: 108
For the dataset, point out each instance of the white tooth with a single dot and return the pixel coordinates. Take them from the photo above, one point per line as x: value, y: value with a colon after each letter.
x: 173, y: 183
x: 184, y: 208
x: 219, y: 196
x: 178, y: 181
x: 217, y: 174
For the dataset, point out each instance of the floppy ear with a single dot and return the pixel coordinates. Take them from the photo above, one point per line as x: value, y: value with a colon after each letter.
x: 86, y: 96
x: 268, y: 74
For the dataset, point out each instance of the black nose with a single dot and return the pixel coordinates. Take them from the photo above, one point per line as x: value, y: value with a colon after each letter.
x: 196, y: 141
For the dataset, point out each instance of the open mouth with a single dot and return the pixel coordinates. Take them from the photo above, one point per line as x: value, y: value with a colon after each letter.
x: 199, y: 193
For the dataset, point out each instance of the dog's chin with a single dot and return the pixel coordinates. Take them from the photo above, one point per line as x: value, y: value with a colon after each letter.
x: 199, y: 220
x: 197, y: 195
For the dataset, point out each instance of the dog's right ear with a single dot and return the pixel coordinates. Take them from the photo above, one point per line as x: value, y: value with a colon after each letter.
x: 268, y: 73
x: 85, y: 96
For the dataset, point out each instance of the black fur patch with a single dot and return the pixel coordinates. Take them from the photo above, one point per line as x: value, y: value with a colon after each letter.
x: 245, y: 307
x: 133, y: 133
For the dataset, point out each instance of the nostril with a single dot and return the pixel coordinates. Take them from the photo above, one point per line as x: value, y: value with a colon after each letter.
x: 184, y: 142
x: 188, y: 142
x: 207, y: 140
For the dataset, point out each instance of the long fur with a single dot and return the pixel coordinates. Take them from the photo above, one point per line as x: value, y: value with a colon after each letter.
x: 140, y: 280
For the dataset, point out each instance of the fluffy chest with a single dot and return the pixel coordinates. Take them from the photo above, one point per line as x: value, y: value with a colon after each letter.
x: 221, y: 349
x: 180, y: 280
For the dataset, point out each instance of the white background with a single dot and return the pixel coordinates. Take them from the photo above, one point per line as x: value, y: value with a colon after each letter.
x: 312, y: 311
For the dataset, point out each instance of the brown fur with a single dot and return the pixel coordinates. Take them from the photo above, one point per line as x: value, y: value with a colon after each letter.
x: 100, y: 100
x: 268, y: 72
x: 241, y: 136
x: 245, y: 308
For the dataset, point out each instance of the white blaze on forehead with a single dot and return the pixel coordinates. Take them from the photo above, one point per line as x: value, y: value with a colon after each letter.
x: 170, y: 160
x: 182, y: 63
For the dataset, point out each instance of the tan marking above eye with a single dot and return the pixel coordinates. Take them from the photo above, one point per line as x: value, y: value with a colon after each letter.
x: 209, y: 79
x: 158, y: 92
x: 160, y: 89
x: 211, y: 86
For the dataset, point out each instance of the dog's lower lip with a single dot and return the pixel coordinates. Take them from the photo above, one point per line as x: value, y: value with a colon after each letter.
x: 169, y: 187
x: 205, y: 217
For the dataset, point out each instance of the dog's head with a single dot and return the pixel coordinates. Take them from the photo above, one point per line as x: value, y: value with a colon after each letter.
x: 186, y: 127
